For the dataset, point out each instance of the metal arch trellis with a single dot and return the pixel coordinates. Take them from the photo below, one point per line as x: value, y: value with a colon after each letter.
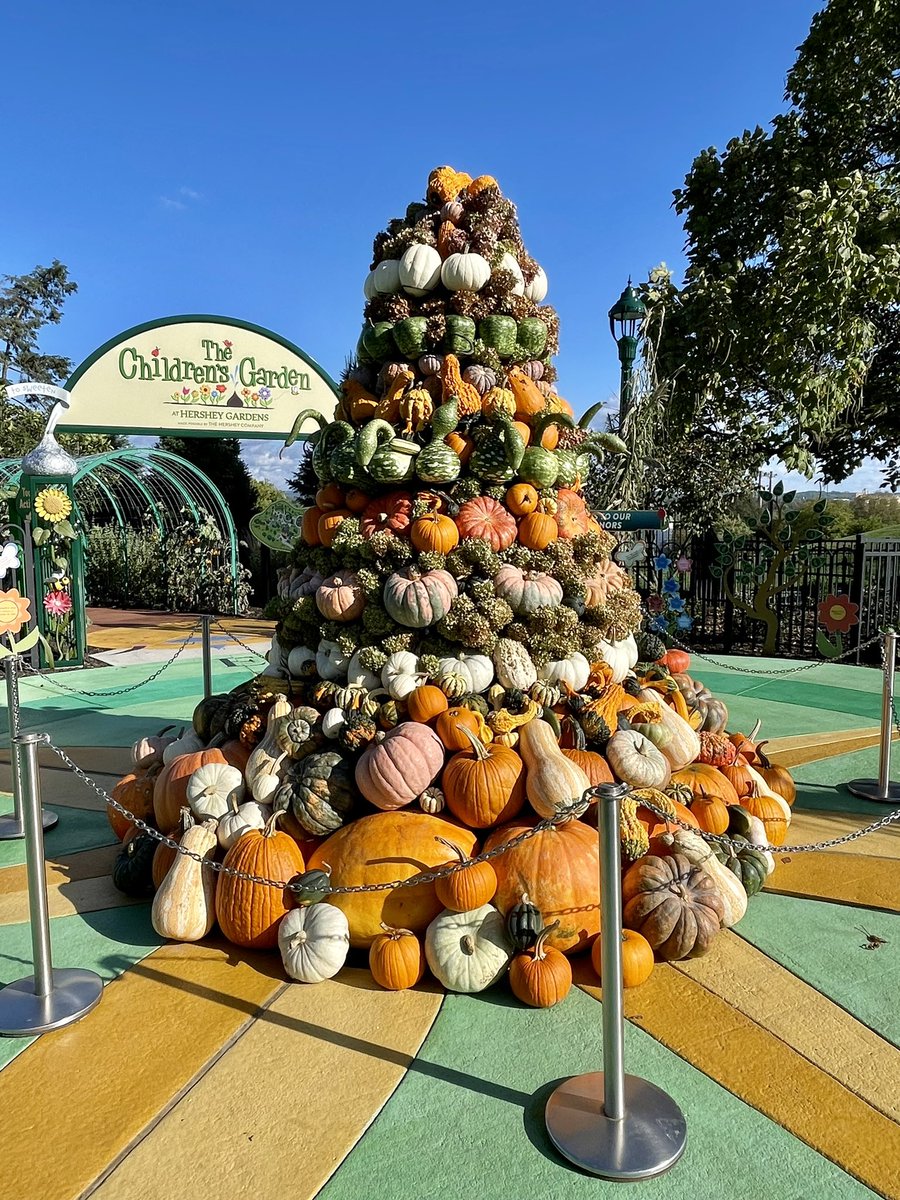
x: 122, y: 487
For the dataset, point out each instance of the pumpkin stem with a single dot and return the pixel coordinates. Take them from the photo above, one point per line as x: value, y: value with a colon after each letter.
x: 395, y: 933
x: 764, y: 761
x: 478, y: 747
x: 756, y: 728
x: 269, y: 829
x: 467, y: 944
x: 453, y: 848
x: 166, y: 728
x: 539, y: 952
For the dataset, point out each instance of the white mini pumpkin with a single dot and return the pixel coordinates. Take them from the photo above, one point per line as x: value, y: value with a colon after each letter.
x: 476, y: 669
x: 213, y: 790
x: 331, y: 661
x: 620, y: 656
x: 536, y: 290
x: 358, y: 676
x: 468, y: 951
x: 420, y: 269
x: 370, y: 291
x: 187, y: 743
x: 387, y: 277
x: 635, y: 760
x: 400, y: 674
x: 301, y: 661
x: 333, y: 722
x: 314, y: 941
x: 465, y: 272
x: 241, y: 817
x: 573, y: 670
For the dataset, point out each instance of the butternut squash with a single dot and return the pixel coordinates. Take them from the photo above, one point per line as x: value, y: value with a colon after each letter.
x: 552, y: 781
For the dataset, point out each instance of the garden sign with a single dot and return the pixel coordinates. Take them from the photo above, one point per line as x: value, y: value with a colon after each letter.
x: 196, y: 376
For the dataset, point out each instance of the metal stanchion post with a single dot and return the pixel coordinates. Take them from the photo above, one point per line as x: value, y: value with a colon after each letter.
x: 47, y: 999
x: 611, y: 1124
x: 207, y: 657
x: 882, y: 789
x: 12, y: 827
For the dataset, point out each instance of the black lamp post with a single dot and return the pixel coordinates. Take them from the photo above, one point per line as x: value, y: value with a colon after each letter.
x: 625, y: 319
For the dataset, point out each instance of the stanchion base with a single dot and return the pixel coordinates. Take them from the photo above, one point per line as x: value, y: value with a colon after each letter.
x: 11, y: 829
x: 22, y: 1013
x: 870, y: 789
x: 648, y: 1140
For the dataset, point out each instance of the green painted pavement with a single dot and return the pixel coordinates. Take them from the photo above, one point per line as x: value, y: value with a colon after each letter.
x: 822, y: 784
x: 824, y: 944
x: 77, y: 829
x: 106, y: 942
x: 467, y: 1119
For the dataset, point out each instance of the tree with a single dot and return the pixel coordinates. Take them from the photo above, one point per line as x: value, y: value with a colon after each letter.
x: 265, y: 493
x: 785, y: 331
x: 28, y: 303
x: 220, y: 459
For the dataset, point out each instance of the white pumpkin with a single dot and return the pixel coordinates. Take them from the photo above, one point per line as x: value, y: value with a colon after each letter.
x: 536, y: 290
x: 301, y: 662
x: 509, y: 262
x: 465, y: 272
x: 420, y: 269
x: 400, y: 674
x: 476, y: 669
x: 242, y: 817
x: 333, y: 722
x: 513, y: 664
x: 314, y: 941
x: 331, y: 661
x: 468, y: 951
x: 187, y: 743
x: 387, y: 277
x: 277, y: 658
x: 369, y: 289
x: 620, y: 656
x: 213, y: 790
x: 358, y: 676
x: 635, y: 760
x: 573, y: 670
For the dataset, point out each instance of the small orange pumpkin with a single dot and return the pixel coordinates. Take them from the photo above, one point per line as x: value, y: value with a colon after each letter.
x: 426, y: 703
x: 705, y: 781
x: 356, y: 500
x: 461, y: 444
x: 537, y: 531
x: 542, y: 976
x: 522, y: 499
x: 434, y: 532
x: 637, y: 958
x: 467, y: 889
x: 330, y: 496
x: 450, y: 726
x: 396, y: 959
x: 309, y: 526
x: 330, y: 523
x: 776, y: 776
x: 770, y: 812
x: 134, y: 792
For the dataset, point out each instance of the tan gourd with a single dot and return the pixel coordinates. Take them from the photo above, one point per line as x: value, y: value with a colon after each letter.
x: 552, y: 780
x: 184, y: 908
x: 261, y: 772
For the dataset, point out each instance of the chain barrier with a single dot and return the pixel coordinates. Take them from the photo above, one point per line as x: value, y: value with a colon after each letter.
x: 567, y: 813
x: 105, y: 692
x: 217, y: 624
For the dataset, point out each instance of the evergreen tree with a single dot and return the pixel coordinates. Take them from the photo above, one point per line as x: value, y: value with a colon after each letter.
x: 220, y: 459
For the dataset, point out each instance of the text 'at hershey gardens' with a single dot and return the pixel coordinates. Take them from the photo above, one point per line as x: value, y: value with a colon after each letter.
x: 196, y: 375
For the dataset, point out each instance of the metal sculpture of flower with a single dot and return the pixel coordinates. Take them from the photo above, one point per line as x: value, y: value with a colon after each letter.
x: 838, y: 614
x: 671, y: 587
x: 662, y: 562
x: 58, y: 604
x: 655, y: 604
x: 15, y: 611
x: 52, y: 504
x: 684, y: 621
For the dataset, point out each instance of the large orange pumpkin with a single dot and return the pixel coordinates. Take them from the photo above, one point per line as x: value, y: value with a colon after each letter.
x: 249, y: 913
x: 484, y: 784
x: 559, y: 869
x: 134, y: 792
x: 378, y: 849
x: 170, y: 789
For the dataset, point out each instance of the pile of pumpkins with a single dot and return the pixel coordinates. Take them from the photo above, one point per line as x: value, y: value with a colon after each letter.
x: 435, y: 790
x: 456, y: 657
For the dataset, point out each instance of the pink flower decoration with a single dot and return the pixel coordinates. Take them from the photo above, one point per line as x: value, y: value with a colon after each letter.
x: 683, y: 565
x: 58, y: 604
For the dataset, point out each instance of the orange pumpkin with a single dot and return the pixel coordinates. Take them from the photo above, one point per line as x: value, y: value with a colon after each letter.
x: 776, y: 776
x: 164, y: 855
x: 770, y: 812
x: 711, y: 813
x: 396, y: 959
x: 656, y: 825
x: 593, y: 764
x: 135, y: 792
x: 330, y: 523
x: 467, y: 889
x: 484, y: 784
x: 572, y: 515
x: 330, y: 496
x: 637, y: 958
x: 170, y: 788
x: 356, y: 501
x: 426, y: 703
x: 486, y: 518
x: 309, y: 526
x: 559, y: 868
x: 522, y: 499
x: 434, y: 532
x: 677, y: 661
x: 249, y: 913
x: 739, y: 777
x: 450, y: 726
x: 550, y: 437
x: 541, y: 976
x: 747, y: 745
x: 705, y: 781
x: 537, y: 531
x: 378, y: 849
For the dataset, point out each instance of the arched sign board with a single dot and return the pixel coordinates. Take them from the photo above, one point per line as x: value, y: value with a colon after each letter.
x: 196, y: 376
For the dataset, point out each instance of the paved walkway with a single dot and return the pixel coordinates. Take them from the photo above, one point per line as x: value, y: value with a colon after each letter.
x: 203, y: 1072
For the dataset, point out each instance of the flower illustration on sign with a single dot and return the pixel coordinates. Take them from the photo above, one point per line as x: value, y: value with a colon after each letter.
x: 52, y: 504
x: 9, y: 559
x: 838, y: 614
x: 15, y: 611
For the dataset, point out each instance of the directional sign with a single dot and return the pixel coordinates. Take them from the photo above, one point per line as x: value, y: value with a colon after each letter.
x: 37, y: 389
x: 622, y: 520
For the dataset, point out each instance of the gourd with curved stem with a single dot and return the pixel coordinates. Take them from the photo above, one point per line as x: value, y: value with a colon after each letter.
x: 438, y: 462
x: 314, y: 438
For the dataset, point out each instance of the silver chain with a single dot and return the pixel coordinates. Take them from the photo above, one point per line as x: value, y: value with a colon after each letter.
x: 217, y: 624
x: 133, y: 687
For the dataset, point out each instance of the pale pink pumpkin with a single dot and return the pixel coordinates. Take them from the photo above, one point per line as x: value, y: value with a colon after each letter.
x: 340, y: 597
x: 397, y: 768
x: 607, y: 578
x: 418, y: 599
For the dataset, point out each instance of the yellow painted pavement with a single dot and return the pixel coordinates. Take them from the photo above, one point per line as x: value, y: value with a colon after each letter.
x: 803, y: 748
x: 860, y: 879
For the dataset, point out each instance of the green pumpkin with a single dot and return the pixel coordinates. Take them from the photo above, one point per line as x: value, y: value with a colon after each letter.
x: 311, y: 887
x: 567, y: 468
x: 538, y: 467
x: 377, y: 342
x: 531, y: 336
x: 319, y: 789
x: 742, y: 860
x: 133, y: 869
x: 409, y: 335
x: 459, y: 335
x: 299, y: 734
x: 499, y: 332
x: 204, y: 714
x: 524, y: 924
x: 738, y: 822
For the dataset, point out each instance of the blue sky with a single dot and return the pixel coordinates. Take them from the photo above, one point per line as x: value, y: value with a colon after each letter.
x: 238, y: 159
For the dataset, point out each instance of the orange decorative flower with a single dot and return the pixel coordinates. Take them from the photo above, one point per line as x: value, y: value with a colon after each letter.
x: 838, y: 614
x: 15, y: 611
